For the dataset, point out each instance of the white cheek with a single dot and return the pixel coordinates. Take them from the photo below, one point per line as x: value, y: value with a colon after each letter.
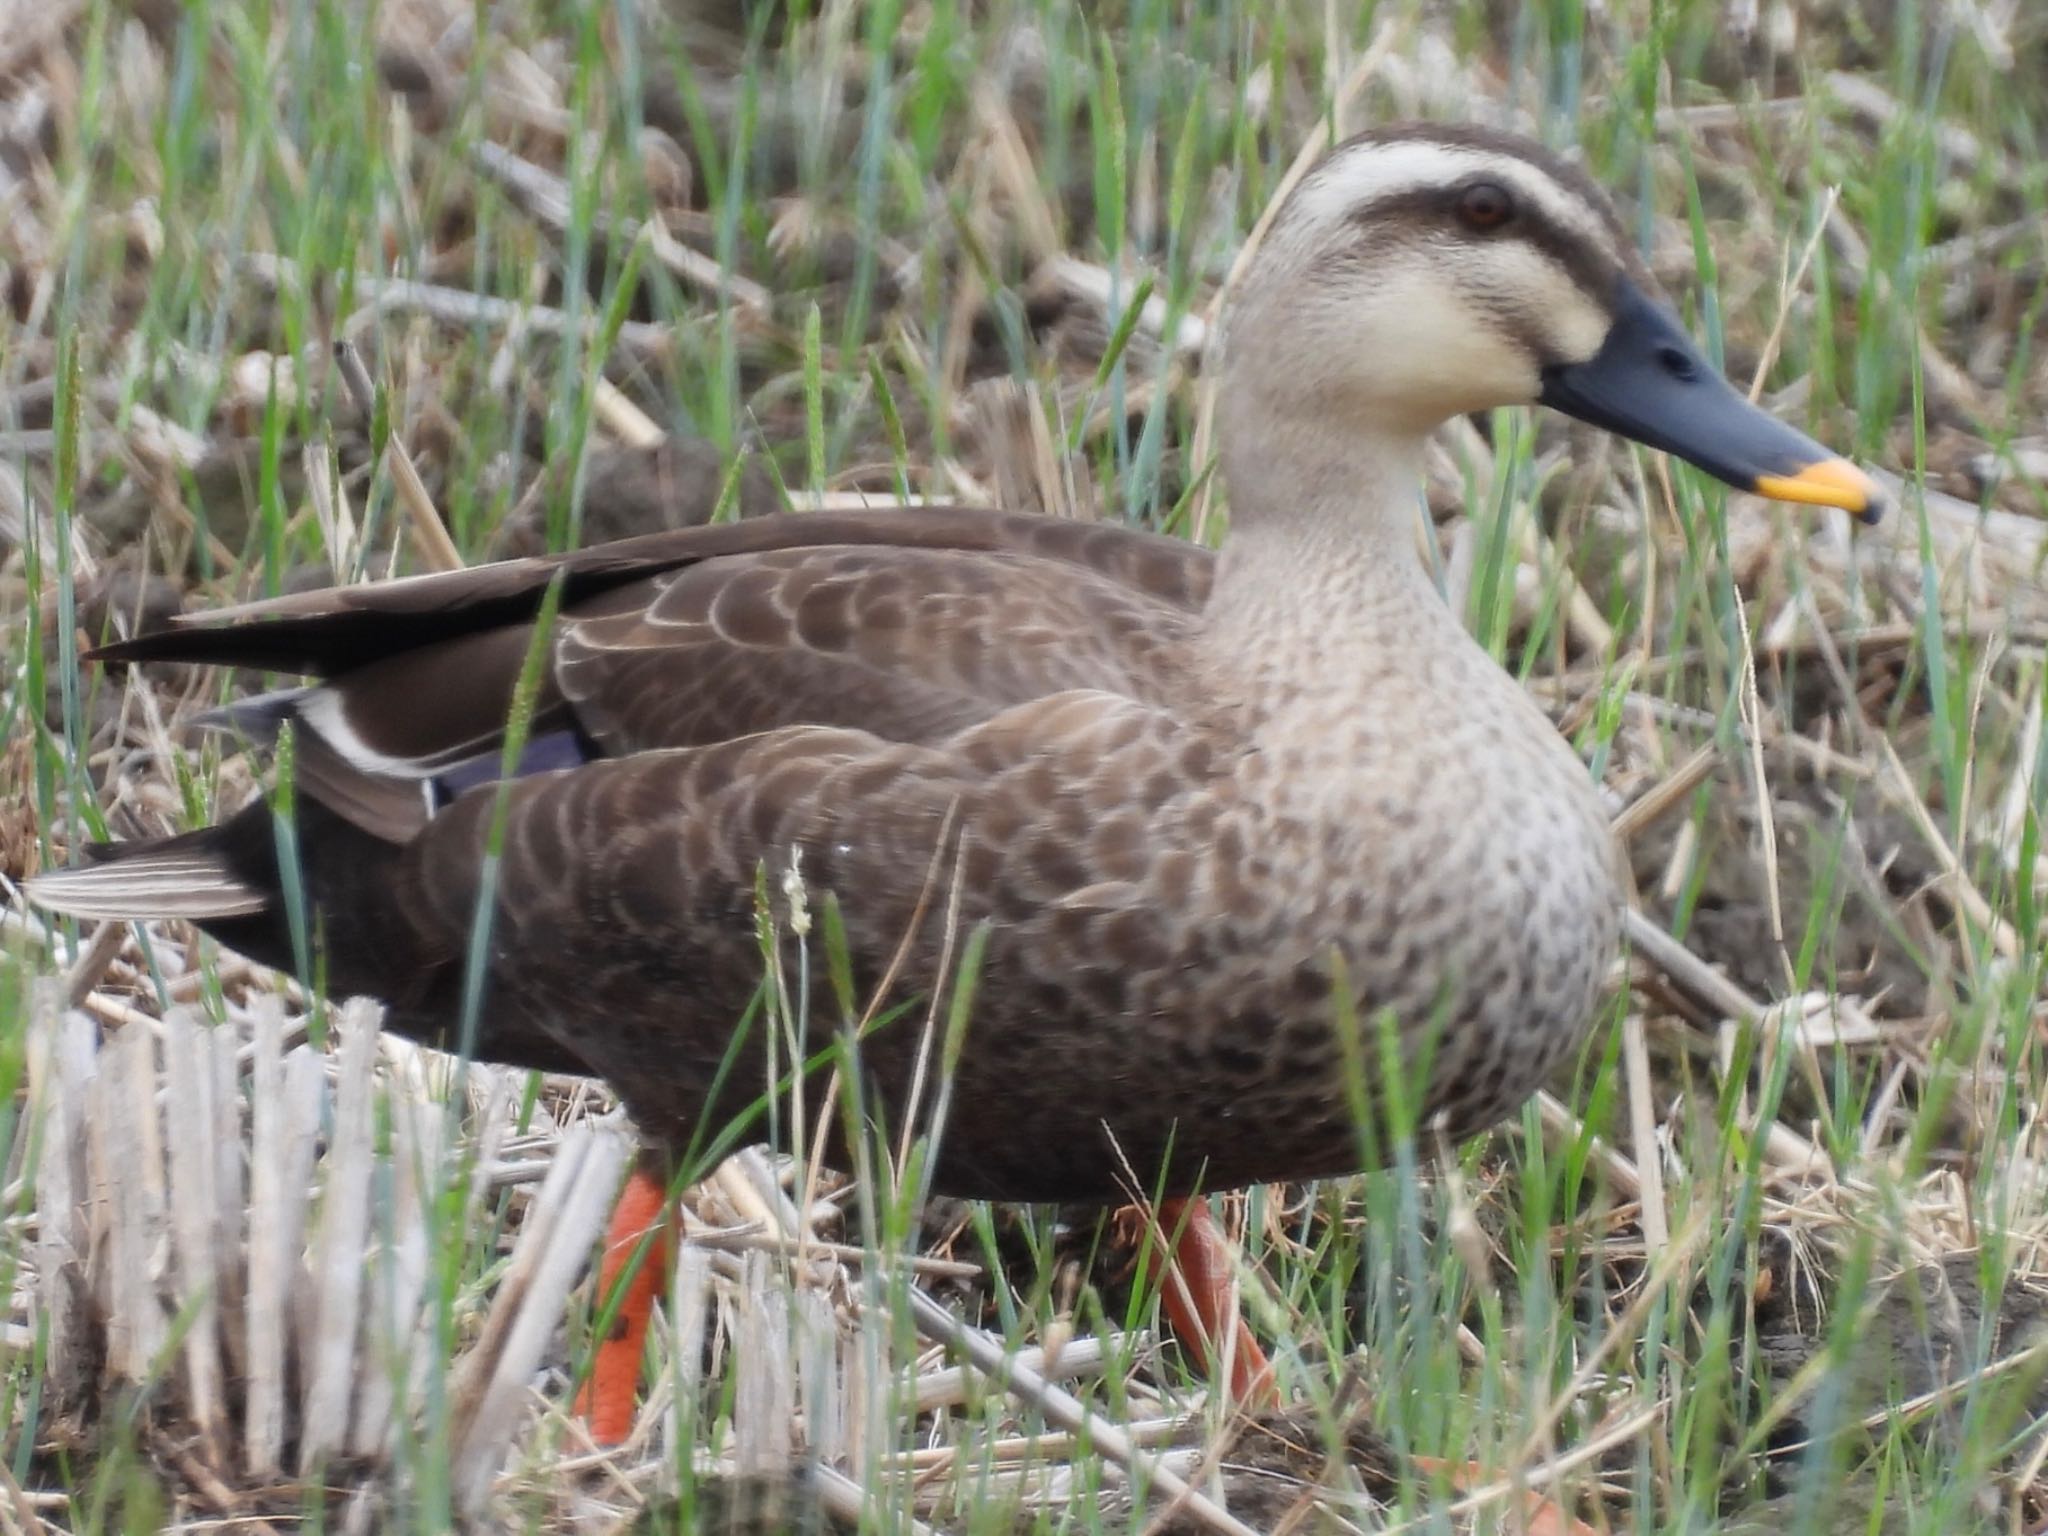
x: 1428, y: 351
x: 1573, y: 325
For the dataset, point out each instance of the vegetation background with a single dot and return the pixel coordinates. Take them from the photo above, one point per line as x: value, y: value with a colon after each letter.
x: 1769, y: 1258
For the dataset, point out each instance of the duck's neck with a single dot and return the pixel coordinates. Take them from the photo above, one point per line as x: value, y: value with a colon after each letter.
x: 1320, y: 586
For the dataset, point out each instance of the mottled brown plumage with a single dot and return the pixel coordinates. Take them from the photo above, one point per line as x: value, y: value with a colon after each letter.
x: 1219, y: 816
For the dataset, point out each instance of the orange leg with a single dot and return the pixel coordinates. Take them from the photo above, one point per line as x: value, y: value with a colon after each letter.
x: 1197, y: 1299
x: 607, y: 1399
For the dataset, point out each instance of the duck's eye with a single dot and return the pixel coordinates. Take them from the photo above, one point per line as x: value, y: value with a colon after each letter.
x: 1485, y: 205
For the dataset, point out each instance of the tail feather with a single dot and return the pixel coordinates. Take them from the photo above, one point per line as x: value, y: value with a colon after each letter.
x: 256, y: 718
x: 176, y: 878
x: 227, y: 879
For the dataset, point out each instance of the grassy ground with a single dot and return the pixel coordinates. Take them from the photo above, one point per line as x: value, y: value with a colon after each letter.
x: 1768, y: 1258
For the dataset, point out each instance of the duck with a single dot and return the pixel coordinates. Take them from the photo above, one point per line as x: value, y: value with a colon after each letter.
x: 1220, y: 825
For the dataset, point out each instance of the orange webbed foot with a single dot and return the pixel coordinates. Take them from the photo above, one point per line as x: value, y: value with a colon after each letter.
x: 1197, y: 1299
x: 606, y: 1401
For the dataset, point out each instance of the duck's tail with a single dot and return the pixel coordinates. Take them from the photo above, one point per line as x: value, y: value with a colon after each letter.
x: 187, y: 877
x: 231, y: 882
x: 359, y: 935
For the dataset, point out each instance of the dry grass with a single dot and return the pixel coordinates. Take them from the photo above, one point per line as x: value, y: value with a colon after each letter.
x: 1767, y: 1258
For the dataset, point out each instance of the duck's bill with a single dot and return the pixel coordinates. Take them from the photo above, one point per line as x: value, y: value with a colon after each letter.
x: 1651, y: 383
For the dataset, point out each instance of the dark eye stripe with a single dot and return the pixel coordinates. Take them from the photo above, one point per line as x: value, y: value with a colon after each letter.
x: 1433, y: 211
x: 1565, y: 174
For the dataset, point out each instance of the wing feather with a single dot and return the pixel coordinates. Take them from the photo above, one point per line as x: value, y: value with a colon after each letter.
x: 337, y: 629
x: 911, y: 645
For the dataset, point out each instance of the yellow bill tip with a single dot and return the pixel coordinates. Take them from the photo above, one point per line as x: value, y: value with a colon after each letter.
x: 1829, y: 483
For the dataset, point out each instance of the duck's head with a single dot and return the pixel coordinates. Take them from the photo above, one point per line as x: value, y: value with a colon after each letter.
x: 1420, y: 272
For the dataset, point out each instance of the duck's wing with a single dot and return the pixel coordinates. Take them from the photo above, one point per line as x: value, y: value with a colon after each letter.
x: 338, y: 629
x: 910, y: 645
x: 910, y: 625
